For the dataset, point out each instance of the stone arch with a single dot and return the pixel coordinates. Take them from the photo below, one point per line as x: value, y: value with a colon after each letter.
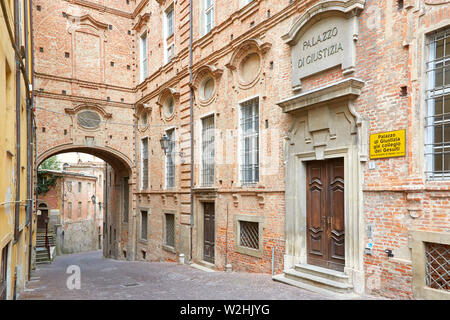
x: 116, y: 159
x: 319, y: 11
x: 118, y: 236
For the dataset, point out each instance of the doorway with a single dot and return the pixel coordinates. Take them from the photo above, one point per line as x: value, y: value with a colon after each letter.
x: 325, y: 213
x: 209, y: 237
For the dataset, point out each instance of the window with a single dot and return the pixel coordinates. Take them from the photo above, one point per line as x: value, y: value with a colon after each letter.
x: 144, y: 163
x: 209, y: 15
x: 169, y: 21
x: 126, y: 199
x: 144, y: 222
x: 79, y: 209
x: 170, y: 160
x: 70, y: 210
x: 69, y: 186
x: 170, y: 52
x: 3, y: 272
x: 249, y: 234
x: 169, y: 45
x: 437, y: 266
x: 79, y: 187
x: 144, y: 56
x: 249, y: 141
x: 170, y: 230
x: 207, y: 168
x: 437, y: 147
x: 249, y: 231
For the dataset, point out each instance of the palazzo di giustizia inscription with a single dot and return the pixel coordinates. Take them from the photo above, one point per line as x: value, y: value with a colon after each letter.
x: 320, y: 46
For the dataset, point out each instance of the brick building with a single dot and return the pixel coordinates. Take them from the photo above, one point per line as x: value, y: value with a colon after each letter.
x: 17, y: 223
x: 242, y: 135
x: 74, y: 203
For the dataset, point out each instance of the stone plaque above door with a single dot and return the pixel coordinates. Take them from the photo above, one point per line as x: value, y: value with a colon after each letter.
x: 324, y: 37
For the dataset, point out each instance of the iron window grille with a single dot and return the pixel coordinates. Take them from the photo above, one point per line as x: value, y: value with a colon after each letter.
x: 249, y: 234
x: 249, y: 145
x: 170, y: 230
x: 144, y: 163
x: 437, y: 122
x: 144, y: 222
x: 209, y: 15
x: 437, y: 266
x: 208, y: 151
x: 170, y: 160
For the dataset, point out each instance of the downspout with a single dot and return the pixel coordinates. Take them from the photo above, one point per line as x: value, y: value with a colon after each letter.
x: 191, y: 117
x: 29, y: 142
x: 18, y: 122
x: 134, y: 224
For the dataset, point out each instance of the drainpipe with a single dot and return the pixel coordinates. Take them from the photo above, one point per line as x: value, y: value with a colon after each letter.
x: 191, y: 117
x: 29, y: 144
x: 134, y: 224
x: 18, y: 122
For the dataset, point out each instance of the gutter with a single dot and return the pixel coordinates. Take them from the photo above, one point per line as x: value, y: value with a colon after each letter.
x: 191, y: 118
x: 18, y: 85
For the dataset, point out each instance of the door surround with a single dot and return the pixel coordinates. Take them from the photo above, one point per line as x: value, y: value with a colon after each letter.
x: 325, y: 125
x: 199, y: 229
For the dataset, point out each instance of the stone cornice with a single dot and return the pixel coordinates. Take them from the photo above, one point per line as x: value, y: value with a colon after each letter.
x: 349, y: 7
x: 86, y: 100
x: 101, y: 8
x: 94, y: 85
x: 348, y: 88
x: 90, y: 19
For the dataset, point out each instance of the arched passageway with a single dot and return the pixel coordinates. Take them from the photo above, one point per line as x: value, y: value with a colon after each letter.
x: 117, y: 237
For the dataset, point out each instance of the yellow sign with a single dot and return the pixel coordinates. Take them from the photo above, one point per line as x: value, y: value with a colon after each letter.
x: 388, y: 144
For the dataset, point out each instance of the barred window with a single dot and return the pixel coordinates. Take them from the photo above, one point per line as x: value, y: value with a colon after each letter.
x: 209, y: 15
x: 249, y: 234
x: 437, y: 147
x: 437, y: 266
x: 170, y: 160
x: 144, y: 222
x: 208, y: 151
x: 144, y: 163
x: 249, y: 144
x: 170, y: 230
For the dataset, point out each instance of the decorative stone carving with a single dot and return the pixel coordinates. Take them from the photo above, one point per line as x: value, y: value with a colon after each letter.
x: 323, y: 37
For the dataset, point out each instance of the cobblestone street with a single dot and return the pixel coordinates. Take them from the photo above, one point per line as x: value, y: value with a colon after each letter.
x: 111, y: 279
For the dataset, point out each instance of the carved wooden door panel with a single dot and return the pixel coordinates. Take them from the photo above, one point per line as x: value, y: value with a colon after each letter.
x: 325, y: 213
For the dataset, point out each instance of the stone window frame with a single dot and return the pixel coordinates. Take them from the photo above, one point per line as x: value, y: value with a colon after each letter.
x: 165, y: 246
x: 417, y: 240
x: 239, y: 137
x: 258, y: 253
x: 431, y: 93
x: 204, y: 117
x: 170, y: 181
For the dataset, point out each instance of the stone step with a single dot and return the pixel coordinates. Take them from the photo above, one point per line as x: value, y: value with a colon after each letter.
x: 331, y: 294
x: 322, y: 282
x: 322, y: 272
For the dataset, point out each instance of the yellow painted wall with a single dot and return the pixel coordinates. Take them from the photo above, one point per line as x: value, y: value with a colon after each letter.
x: 19, y: 250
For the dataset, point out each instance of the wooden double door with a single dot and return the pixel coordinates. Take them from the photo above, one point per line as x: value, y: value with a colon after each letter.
x: 325, y: 213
